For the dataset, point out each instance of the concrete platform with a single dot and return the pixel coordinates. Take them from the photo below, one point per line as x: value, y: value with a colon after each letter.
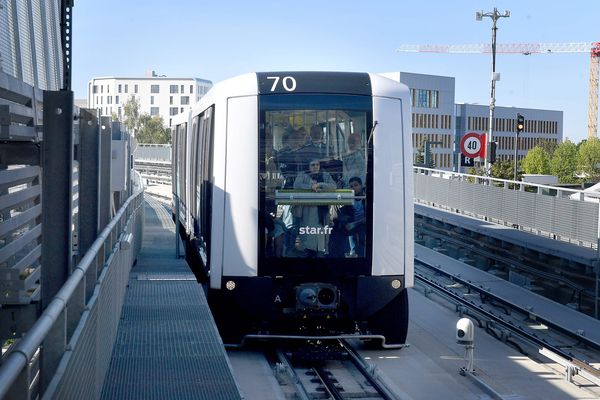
x: 167, y: 345
x: 428, y: 368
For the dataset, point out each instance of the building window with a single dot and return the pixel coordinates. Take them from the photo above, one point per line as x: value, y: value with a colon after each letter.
x: 95, y: 89
x: 154, y: 89
x: 422, y: 98
x: 173, y: 89
x: 182, y: 89
x: 101, y: 88
x: 173, y: 111
x: 116, y: 99
x: 154, y: 111
x: 170, y: 99
x: 181, y: 109
x: 151, y: 99
x: 119, y: 88
x: 191, y: 89
x: 108, y: 99
x: 135, y: 88
x: 126, y: 88
x: 185, y: 100
x: 434, y: 99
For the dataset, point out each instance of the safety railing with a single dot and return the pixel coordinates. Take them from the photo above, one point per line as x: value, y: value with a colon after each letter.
x: 79, y: 334
x: 559, y: 213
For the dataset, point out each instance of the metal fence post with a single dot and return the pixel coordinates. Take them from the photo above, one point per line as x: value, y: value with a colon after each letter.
x: 89, y: 181
x: 105, y: 157
x: 57, y: 194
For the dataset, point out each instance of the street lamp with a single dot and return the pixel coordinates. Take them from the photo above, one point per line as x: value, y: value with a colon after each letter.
x: 495, y: 15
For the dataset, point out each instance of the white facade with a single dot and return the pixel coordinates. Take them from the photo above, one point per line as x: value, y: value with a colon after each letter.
x: 432, y: 113
x: 158, y: 95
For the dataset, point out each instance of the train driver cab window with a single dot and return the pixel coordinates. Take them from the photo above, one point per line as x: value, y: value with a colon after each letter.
x: 314, y: 182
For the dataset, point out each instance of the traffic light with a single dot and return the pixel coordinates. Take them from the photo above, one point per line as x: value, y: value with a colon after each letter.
x: 491, y: 155
x: 520, y: 123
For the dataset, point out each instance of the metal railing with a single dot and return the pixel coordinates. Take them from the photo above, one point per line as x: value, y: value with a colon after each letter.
x: 558, y: 213
x: 153, y: 152
x: 112, y: 253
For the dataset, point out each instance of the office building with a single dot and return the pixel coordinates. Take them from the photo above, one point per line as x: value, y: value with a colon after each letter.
x: 158, y: 95
x: 437, y: 119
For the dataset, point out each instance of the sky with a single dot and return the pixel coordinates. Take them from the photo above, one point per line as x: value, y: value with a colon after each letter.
x: 216, y: 40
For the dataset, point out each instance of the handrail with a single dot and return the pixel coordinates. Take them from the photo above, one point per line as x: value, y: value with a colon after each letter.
x: 477, y: 178
x: 23, y: 352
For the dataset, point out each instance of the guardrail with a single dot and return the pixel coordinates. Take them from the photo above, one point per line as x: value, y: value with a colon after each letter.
x: 112, y: 254
x: 558, y: 213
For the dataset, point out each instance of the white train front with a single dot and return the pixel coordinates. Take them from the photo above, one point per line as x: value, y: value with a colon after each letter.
x: 294, y: 196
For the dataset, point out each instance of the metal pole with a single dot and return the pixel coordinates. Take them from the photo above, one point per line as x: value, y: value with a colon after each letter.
x: 516, y: 151
x: 488, y: 145
x: 494, y: 16
x: 597, y: 283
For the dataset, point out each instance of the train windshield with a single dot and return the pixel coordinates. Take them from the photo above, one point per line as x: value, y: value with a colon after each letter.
x: 314, y: 177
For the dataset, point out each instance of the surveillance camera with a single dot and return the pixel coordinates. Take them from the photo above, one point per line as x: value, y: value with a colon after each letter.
x: 465, y: 331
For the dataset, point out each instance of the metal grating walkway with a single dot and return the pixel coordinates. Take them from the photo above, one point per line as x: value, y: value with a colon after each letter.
x: 167, y: 345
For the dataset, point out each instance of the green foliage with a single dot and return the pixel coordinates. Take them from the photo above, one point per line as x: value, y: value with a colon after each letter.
x: 152, y: 130
x: 549, y: 146
x: 563, y: 163
x: 145, y: 129
x: 588, y: 157
x: 419, y: 157
x: 536, y: 161
x: 132, y: 114
x: 504, y: 169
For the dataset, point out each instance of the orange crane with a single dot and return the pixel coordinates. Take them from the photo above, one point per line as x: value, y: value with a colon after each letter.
x: 527, y: 49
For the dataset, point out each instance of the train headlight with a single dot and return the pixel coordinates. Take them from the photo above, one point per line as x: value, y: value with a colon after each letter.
x: 230, y: 285
x: 396, y: 284
x: 316, y: 296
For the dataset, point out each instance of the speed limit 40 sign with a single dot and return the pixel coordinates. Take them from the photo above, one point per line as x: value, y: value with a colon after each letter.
x: 471, y: 145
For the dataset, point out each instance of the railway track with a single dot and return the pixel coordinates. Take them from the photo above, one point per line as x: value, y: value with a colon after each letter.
x: 576, y: 286
x: 326, y: 370
x: 512, y: 324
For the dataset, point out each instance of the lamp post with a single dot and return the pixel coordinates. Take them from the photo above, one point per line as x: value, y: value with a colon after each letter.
x: 495, y: 15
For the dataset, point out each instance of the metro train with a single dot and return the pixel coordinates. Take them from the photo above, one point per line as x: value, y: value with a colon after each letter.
x: 292, y: 193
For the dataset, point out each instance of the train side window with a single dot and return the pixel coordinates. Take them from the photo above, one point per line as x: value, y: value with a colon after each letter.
x: 203, y: 189
x: 194, y: 179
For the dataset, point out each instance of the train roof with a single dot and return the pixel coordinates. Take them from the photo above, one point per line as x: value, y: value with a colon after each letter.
x: 255, y: 83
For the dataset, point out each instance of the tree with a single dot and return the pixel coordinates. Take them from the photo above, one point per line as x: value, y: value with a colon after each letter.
x: 419, y: 157
x: 549, y: 146
x: 133, y: 115
x: 588, y: 157
x: 504, y: 169
x: 536, y: 162
x: 563, y: 163
x: 152, y: 130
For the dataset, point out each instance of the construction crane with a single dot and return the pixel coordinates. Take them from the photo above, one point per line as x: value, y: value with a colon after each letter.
x: 527, y: 49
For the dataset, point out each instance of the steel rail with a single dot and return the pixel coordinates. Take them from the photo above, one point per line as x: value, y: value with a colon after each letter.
x: 363, y: 368
x: 450, y: 238
x: 522, y: 333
